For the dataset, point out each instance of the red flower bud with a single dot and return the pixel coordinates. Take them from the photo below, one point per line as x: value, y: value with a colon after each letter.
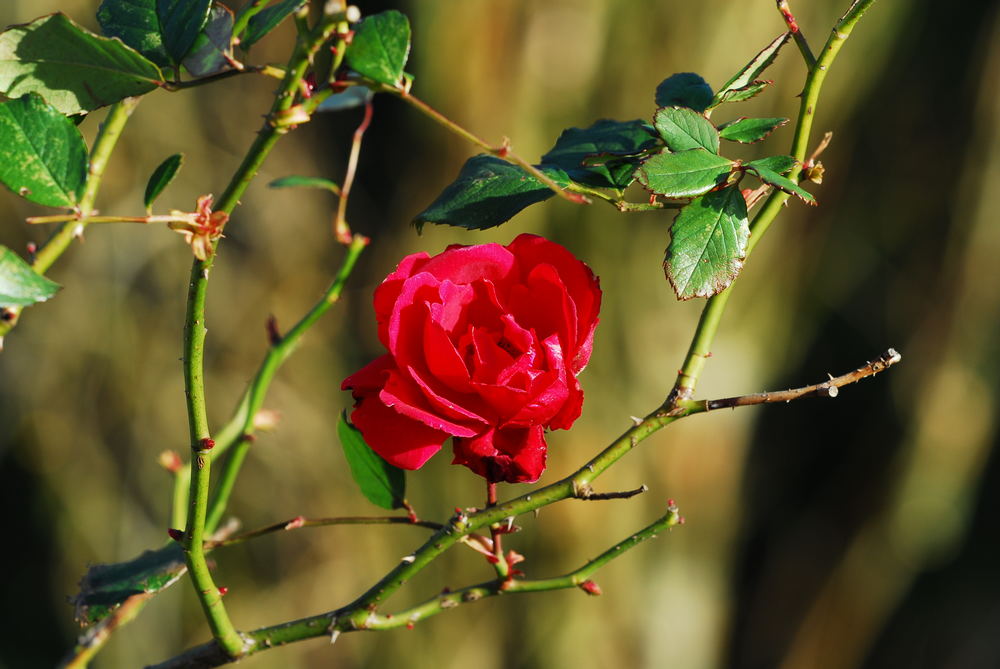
x: 590, y: 588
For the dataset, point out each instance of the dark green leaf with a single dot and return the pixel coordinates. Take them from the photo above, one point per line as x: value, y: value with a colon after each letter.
x: 768, y: 176
x: 685, y: 89
x: 750, y: 130
x: 106, y: 586
x: 380, y: 47
x: 213, y: 49
x: 267, y: 20
x: 682, y: 129
x: 21, y: 286
x: 684, y: 174
x: 708, y: 242
x: 355, y: 96
x: 779, y: 164
x: 488, y: 191
x: 383, y: 484
x: 747, y: 76
x: 161, y: 178
x: 134, y: 22
x: 616, y: 139
x: 42, y: 154
x: 72, y: 68
x: 305, y: 182
x: 180, y: 23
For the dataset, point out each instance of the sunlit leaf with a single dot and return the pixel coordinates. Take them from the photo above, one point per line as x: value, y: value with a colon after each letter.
x: 72, y: 68
x: 21, y: 286
x: 380, y: 47
x: 779, y: 164
x: 682, y: 129
x: 751, y: 90
x: 161, y: 178
x: 684, y: 174
x: 383, y: 484
x: 750, y: 130
x: 685, y: 89
x: 749, y: 73
x: 305, y: 182
x: 768, y: 176
x: 614, y: 141
x: 708, y: 242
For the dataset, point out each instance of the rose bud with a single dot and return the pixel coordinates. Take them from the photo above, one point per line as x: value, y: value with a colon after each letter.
x: 484, y: 346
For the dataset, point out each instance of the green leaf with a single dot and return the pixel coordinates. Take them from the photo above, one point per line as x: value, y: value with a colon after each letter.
x: 684, y: 174
x: 355, y: 96
x: 682, y: 129
x: 161, y: 178
x: 134, y: 22
x: 383, y: 484
x: 180, y: 23
x: 305, y: 182
x: 750, y: 130
x: 42, y: 154
x: 779, y: 164
x: 488, y: 191
x: 213, y: 48
x: 380, y: 47
x: 740, y: 94
x: 685, y: 89
x: 708, y: 242
x: 72, y: 68
x: 751, y: 71
x: 106, y: 586
x: 267, y: 20
x: 618, y: 139
x: 21, y: 286
x: 768, y: 176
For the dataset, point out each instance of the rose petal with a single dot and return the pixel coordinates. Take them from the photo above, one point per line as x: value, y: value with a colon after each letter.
x: 399, y: 440
x: 449, y: 407
x: 403, y: 396
x: 388, y: 291
x: 469, y: 264
x: 515, y: 455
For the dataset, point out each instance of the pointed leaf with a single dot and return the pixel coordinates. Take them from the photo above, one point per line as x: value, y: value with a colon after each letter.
x: 135, y: 23
x: 751, y: 90
x: 383, y: 484
x: 106, y: 586
x: 773, y: 178
x: 180, y: 23
x: 161, y: 178
x: 708, y: 242
x: 72, y: 68
x: 750, y: 130
x: 213, y: 48
x: 21, y: 286
x: 380, y: 47
x: 355, y: 96
x: 684, y: 174
x: 779, y: 164
x: 42, y: 154
x: 752, y: 70
x: 305, y: 182
x: 488, y: 191
x: 685, y: 89
x: 617, y: 139
x: 684, y: 129
x: 267, y: 20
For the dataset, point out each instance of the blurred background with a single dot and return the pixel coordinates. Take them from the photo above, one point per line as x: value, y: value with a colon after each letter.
x: 856, y: 532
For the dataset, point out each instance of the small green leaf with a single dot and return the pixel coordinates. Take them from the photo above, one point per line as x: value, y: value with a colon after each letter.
x: 768, y: 176
x: 747, y: 76
x: 750, y: 130
x: 72, y: 68
x: 106, y: 586
x: 751, y: 90
x: 267, y: 20
x: 180, y: 23
x: 355, y: 96
x: 161, y: 178
x: 42, y: 154
x: 213, y: 49
x: 708, y: 242
x: 305, y: 182
x: 684, y: 174
x: 383, y: 484
x: 685, y: 89
x: 779, y: 164
x: 380, y: 47
x: 488, y: 191
x: 682, y: 129
x: 21, y: 286
x: 617, y: 139
x: 134, y: 22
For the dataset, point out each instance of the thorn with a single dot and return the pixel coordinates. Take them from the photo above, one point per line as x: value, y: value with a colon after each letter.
x: 175, y: 534
x: 223, y: 590
x: 295, y: 523
x: 636, y: 420
x: 590, y: 588
x: 32, y: 250
x: 409, y: 625
x: 273, y: 334
x: 206, y: 444
x: 409, y: 559
x: 334, y: 635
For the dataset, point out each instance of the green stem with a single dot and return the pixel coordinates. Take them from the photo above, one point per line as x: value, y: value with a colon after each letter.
x: 257, y: 391
x: 711, y: 315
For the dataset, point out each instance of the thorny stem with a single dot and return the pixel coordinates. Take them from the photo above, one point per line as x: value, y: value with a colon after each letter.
x: 300, y: 521
x: 340, y: 228
x: 711, y: 315
x: 496, y: 534
x: 104, y: 144
x: 793, y: 28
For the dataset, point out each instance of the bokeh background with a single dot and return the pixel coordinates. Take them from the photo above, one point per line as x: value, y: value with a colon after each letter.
x: 857, y: 532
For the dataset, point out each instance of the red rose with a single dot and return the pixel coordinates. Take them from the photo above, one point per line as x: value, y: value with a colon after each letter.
x: 485, y: 343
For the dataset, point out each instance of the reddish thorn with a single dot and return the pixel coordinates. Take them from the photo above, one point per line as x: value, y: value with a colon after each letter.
x: 681, y: 521
x: 458, y: 510
x: 273, y: 335
x: 310, y: 82
x: 388, y: 616
x: 333, y: 50
x: 492, y: 559
x: 409, y: 625
x: 223, y: 590
x: 578, y: 198
x: 590, y: 588
x: 206, y: 444
x: 652, y: 199
x: 175, y: 534
x: 295, y: 523
x: 503, y: 151
x: 445, y: 590
x: 670, y: 502
x: 32, y: 247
